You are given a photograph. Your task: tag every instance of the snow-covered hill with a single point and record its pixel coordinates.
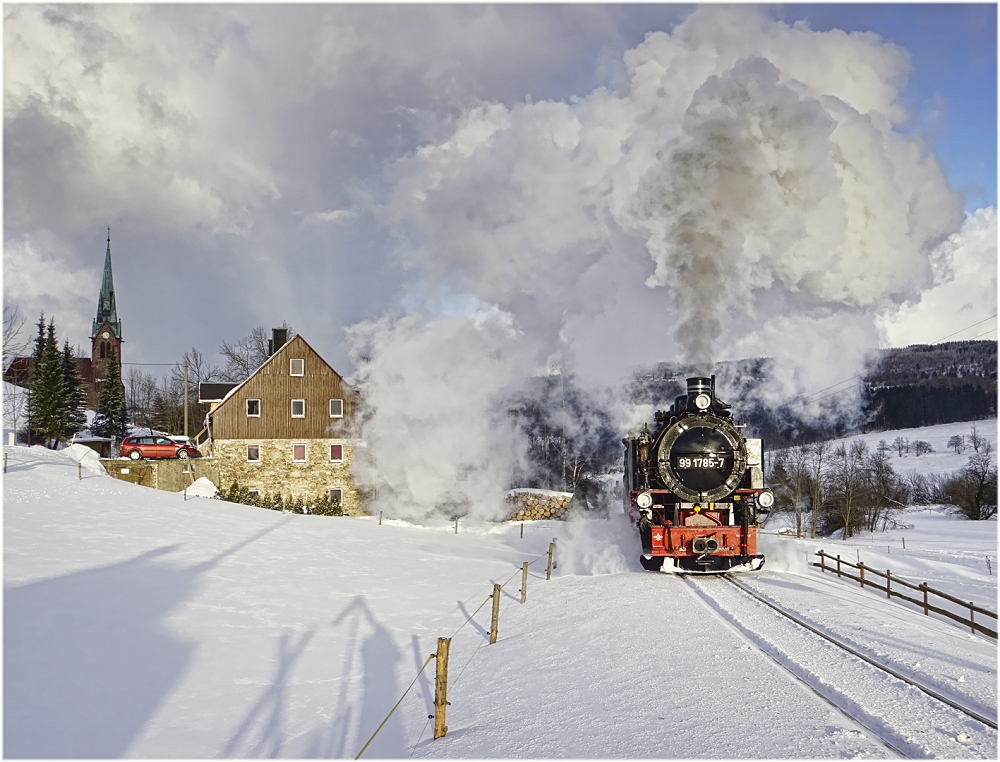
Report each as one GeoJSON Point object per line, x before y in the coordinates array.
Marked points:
{"type": "Point", "coordinates": [140, 624]}
{"type": "Point", "coordinates": [942, 460]}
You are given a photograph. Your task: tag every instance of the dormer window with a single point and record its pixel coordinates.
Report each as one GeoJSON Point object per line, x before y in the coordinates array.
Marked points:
{"type": "Point", "coordinates": [296, 367]}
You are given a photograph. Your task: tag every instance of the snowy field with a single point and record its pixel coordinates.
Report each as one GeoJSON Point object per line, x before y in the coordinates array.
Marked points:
{"type": "Point", "coordinates": [140, 624]}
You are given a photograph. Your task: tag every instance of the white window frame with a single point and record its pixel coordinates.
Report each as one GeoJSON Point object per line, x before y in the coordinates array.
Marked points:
{"type": "Point", "coordinates": [341, 458]}
{"type": "Point", "coordinates": [253, 460]}
{"type": "Point", "coordinates": [341, 413]}
{"type": "Point", "coordinates": [340, 497]}
{"type": "Point", "coordinates": [303, 408]}
{"type": "Point", "coordinates": [291, 366]}
{"type": "Point", "coordinates": [253, 415]}
{"type": "Point", "coordinates": [305, 451]}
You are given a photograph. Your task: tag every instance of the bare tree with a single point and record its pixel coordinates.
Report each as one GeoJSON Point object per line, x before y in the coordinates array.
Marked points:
{"type": "Point", "coordinates": [198, 370]}
{"type": "Point", "coordinates": [957, 443]}
{"type": "Point", "coordinates": [973, 489]}
{"type": "Point", "coordinates": [13, 344]}
{"type": "Point", "coordinates": [14, 397]}
{"type": "Point", "coordinates": [817, 454]}
{"type": "Point", "coordinates": [140, 391]}
{"type": "Point", "coordinates": [884, 494]}
{"type": "Point", "coordinates": [976, 440]}
{"type": "Point", "coordinates": [247, 354]}
{"type": "Point", "coordinates": [845, 484]}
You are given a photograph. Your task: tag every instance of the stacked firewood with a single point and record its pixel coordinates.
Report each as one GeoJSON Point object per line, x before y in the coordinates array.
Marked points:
{"type": "Point", "coordinates": [536, 505]}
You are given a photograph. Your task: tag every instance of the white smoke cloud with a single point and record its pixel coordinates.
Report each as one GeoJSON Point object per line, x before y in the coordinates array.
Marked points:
{"type": "Point", "coordinates": [598, 546]}
{"type": "Point", "coordinates": [744, 193]}
{"type": "Point", "coordinates": [964, 292]}
{"type": "Point", "coordinates": [438, 439]}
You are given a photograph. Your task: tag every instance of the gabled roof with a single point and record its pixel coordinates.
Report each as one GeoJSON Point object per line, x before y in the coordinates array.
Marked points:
{"type": "Point", "coordinates": [279, 352]}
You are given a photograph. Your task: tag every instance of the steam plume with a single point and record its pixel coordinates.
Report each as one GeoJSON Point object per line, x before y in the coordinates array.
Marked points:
{"type": "Point", "coordinates": [745, 194]}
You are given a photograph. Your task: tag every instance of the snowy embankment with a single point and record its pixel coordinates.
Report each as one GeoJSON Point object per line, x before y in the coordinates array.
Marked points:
{"type": "Point", "coordinates": [140, 624]}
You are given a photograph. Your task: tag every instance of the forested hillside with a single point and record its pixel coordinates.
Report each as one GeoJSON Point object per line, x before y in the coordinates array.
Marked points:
{"type": "Point", "coordinates": [923, 385]}
{"type": "Point", "coordinates": [919, 385]}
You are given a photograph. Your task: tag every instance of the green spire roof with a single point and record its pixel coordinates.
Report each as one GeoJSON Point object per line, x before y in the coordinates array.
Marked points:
{"type": "Point", "coordinates": [106, 310]}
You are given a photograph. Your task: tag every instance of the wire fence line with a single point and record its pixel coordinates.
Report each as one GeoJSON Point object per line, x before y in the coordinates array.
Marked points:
{"type": "Point", "coordinates": [550, 553]}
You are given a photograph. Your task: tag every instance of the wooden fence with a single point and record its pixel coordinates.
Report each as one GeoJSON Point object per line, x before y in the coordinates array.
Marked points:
{"type": "Point", "coordinates": [836, 564]}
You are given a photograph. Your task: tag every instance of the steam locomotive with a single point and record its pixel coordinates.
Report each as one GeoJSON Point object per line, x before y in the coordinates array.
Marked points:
{"type": "Point", "coordinates": [694, 487]}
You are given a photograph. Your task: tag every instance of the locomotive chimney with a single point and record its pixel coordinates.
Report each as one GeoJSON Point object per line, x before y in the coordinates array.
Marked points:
{"type": "Point", "coordinates": [700, 394]}
{"type": "Point", "coordinates": [699, 385]}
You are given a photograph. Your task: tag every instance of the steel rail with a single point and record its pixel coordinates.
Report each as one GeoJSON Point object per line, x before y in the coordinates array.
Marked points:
{"type": "Point", "coordinates": [874, 733]}
{"type": "Point", "coordinates": [854, 652]}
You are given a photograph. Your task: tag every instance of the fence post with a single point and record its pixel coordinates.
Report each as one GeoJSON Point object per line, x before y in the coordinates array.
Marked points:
{"type": "Point", "coordinates": [822, 561]}
{"type": "Point", "coordinates": [496, 614]}
{"type": "Point", "coordinates": [862, 567]}
{"type": "Point", "coordinates": [548, 572]}
{"type": "Point", "coordinates": [456, 525]}
{"type": "Point", "coordinates": [524, 582]}
{"type": "Point", "coordinates": [441, 687]}
{"type": "Point", "coordinates": [923, 586]}
{"type": "Point", "coordinates": [904, 543]}
{"type": "Point", "coordinates": [5, 462]}
{"type": "Point", "coordinates": [185, 494]}
{"type": "Point", "coordinates": [522, 530]}
{"type": "Point", "coordinates": [380, 517]}
{"type": "Point", "coordinates": [79, 470]}
{"type": "Point", "coordinates": [888, 583]}
{"type": "Point", "coordinates": [838, 565]}
{"type": "Point", "coordinates": [972, 617]}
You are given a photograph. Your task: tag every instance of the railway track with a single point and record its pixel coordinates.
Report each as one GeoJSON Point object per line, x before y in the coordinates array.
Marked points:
{"type": "Point", "coordinates": [910, 719]}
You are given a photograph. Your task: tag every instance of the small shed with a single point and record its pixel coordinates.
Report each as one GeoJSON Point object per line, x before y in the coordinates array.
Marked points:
{"type": "Point", "coordinates": [101, 445]}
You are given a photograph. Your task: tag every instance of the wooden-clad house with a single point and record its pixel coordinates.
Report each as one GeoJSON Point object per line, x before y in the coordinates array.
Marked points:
{"type": "Point", "coordinates": [289, 429]}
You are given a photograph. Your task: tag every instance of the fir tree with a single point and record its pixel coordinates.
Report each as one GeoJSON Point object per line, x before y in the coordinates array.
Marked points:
{"type": "Point", "coordinates": [47, 409]}
{"type": "Point", "coordinates": [112, 416]}
{"type": "Point", "coordinates": [75, 395]}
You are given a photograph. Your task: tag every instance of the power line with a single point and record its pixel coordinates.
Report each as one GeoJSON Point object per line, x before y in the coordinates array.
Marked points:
{"type": "Point", "coordinates": [855, 378]}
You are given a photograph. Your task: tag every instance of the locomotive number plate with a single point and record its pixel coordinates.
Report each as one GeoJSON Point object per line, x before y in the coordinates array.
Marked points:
{"type": "Point", "coordinates": [702, 461]}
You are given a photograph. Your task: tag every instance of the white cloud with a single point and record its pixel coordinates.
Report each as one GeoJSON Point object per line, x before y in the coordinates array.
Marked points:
{"type": "Point", "coordinates": [37, 276]}
{"type": "Point", "coordinates": [334, 215]}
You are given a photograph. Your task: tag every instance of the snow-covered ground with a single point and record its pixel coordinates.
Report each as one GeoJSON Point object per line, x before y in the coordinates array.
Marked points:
{"type": "Point", "coordinates": [137, 623]}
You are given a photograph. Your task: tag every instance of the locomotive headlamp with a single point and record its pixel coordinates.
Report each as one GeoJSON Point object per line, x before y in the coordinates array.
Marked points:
{"type": "Point", "coordinates": [765, 499]}
{"type": "Point", "coordinates": [702, 402]}
{"type": "Point", "coordinates": [644, 500]}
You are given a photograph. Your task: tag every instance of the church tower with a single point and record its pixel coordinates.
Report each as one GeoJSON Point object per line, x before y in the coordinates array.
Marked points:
{"type": "Point", "coordinates": [106, 336]}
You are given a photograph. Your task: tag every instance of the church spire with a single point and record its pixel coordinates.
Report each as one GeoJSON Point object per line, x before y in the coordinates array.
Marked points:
{"type": "Point", "coordinates": [106, 309]}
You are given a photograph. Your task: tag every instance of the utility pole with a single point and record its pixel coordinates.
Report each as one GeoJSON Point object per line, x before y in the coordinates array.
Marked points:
{"type": "Point", "coordinates": [185, 398]}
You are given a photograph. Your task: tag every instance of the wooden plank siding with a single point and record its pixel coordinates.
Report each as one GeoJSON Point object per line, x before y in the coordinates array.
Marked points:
{"type": "Point", "coordinates": [275, 387]}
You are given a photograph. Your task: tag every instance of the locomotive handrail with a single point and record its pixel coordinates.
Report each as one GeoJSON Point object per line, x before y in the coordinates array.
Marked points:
{"type": "Point", "coordinates": [923, 587]}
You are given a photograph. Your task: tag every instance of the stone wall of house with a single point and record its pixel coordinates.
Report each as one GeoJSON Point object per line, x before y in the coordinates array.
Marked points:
{"type": "Point", "coordinates": [537, 504]}
{"type": "Point", "coordinates": [276, 473]}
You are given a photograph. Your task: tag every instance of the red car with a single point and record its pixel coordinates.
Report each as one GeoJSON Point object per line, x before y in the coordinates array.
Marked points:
{"type": "Point", "coordinates": [136, 447]}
